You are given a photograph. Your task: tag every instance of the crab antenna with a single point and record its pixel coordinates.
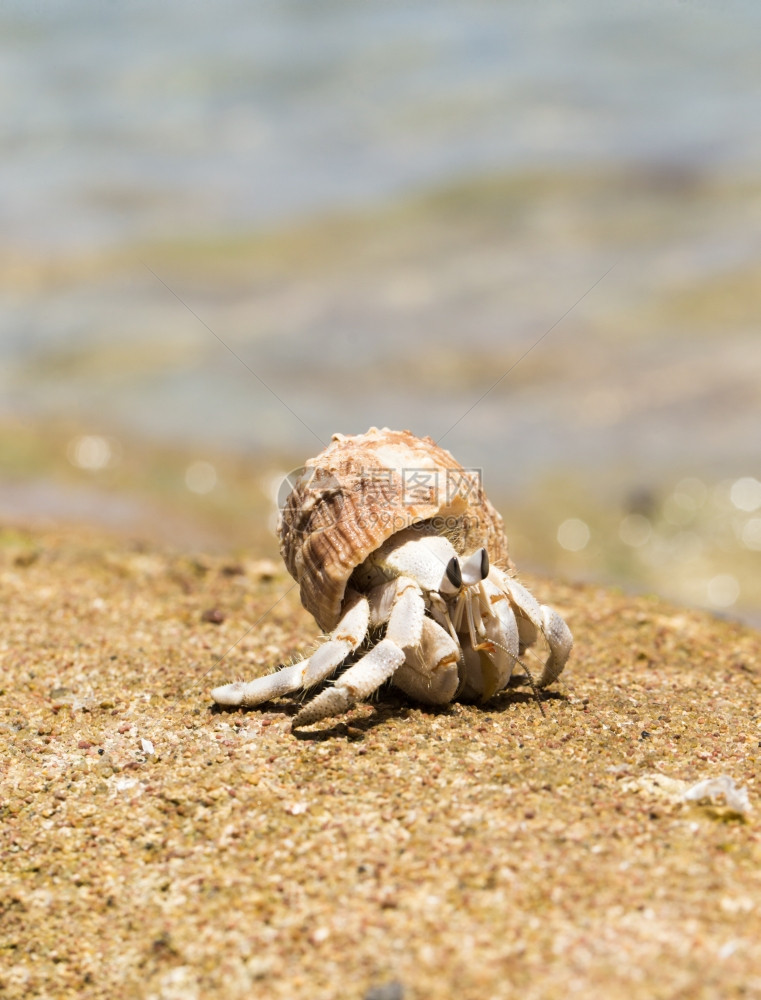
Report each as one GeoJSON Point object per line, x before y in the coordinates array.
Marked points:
{"type": "Point", "coordinates": [475, 568]}
{"type": "Point", "coordinates": [527, 672]}
{"type": "Point", "coordinates": [533, 688]}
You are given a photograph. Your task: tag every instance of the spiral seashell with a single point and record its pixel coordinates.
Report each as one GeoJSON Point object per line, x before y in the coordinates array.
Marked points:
{"type": "Point", "coordinates": [360, 491]}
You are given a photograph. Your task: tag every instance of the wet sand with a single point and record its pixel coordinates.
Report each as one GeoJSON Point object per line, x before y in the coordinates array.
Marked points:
{"type": "Point", "coordinates": [153, 846]}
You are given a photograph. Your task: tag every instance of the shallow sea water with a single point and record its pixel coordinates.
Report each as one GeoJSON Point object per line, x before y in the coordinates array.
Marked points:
{"type": "Point", "coordinates": [531, 231]}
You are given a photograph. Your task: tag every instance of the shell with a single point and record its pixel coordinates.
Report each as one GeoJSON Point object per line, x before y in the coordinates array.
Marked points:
{"type": "Point", "coordinates": [361, 490]}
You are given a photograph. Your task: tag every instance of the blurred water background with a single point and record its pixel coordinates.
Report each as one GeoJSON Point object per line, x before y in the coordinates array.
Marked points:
{"type": "Point", "coordinates": [230, 229]}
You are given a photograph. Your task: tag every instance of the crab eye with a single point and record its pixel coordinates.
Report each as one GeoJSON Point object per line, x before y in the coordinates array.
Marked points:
{"type": "Point", "coordinates": [453, 576]}
{"type": "Point", "coordinates": [484, 564]}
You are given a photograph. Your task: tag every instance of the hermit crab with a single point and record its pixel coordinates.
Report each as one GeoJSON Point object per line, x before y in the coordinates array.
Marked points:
{"type": "Point", "coordinates": [403, 561]}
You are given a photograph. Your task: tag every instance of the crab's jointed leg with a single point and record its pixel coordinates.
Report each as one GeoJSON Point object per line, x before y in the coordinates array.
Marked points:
{"type": "Point", "coordinates": [531, 615]}
{"type": "Point", "coordinates": [344, 639]}
{"type": "Point", "coordinates": [405, 626]}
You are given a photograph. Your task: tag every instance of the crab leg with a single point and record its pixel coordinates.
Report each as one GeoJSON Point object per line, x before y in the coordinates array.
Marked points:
{"type": "Point", "coordinates": [405, 625]}
{"type": "Point", "coordinates": [549, 623]}
{"type": "Point", "coordinates": [344, 639]}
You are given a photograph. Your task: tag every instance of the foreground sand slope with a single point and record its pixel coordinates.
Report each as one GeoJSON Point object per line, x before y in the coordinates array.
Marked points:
{"type": "Point", "coordinates": [155, 847]}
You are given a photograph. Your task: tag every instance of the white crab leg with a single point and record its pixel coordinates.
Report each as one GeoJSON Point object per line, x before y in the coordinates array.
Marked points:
{"type": "Point", "coordinates": [560, 640]}
{"type": "Point", "coordinates": [344, 639]}
{"type": "Point", "coordinates": [548, 621]}
{"type": "Point", "coordinates": [405, 625]}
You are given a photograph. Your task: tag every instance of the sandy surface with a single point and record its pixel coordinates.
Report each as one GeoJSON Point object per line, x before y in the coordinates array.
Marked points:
{"type": "Point", "coordinates": [155, 847]}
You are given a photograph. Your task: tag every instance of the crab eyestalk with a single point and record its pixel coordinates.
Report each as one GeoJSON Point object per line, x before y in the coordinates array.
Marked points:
{"type": "Point", "coordinates": [475, 568]}
{"type": "Point", "coordinates": [466, 574]}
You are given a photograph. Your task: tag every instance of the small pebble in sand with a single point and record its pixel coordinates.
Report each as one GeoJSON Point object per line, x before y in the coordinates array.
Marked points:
{"type": "Point", "coordinates": [213, 616]}
{"type": "Point", "coordinates": [388, 991]}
